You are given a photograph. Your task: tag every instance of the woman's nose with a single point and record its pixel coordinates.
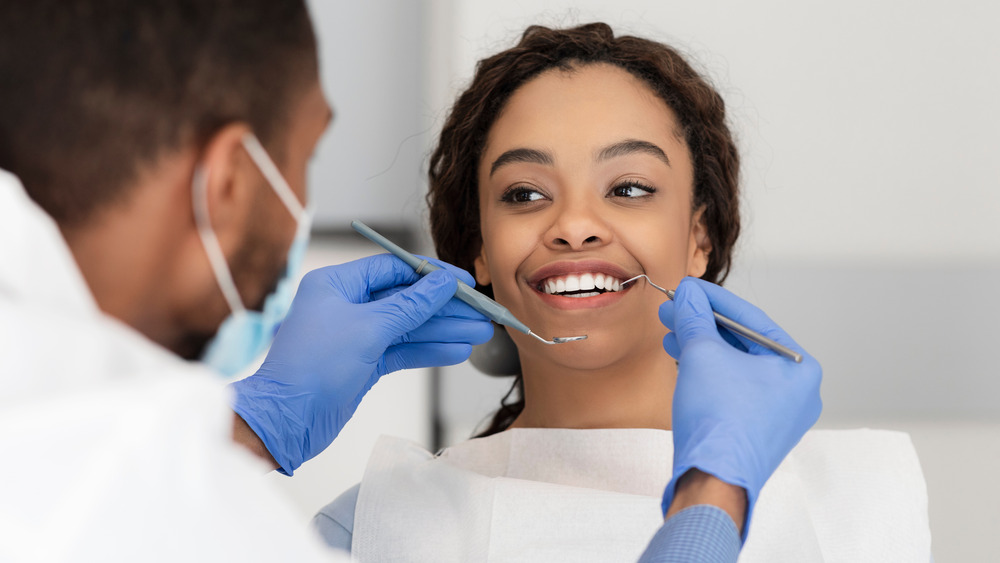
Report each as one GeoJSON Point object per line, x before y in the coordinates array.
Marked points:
{"type": "Point", "coordinates": [577, 226]}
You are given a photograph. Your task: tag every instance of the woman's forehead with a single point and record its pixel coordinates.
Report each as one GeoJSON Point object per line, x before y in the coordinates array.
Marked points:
{"type": "Point", "coordinates": [582, 109]}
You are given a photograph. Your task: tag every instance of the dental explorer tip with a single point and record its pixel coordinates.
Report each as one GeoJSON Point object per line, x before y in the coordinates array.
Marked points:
{"type": "Point", "coordinates": [559, 339]}
{"type": "Point", "coordinates": [630, 280]}
{"type": "Point", "coordinates": [669, 292]}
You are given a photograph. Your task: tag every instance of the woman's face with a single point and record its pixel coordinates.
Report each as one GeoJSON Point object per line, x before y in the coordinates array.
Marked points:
{"type": "Point", "coordinates": [584, 182]}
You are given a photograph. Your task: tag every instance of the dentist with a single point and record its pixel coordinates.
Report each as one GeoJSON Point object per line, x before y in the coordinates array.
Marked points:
{"type": "Point", "coordinates": [153, 207]}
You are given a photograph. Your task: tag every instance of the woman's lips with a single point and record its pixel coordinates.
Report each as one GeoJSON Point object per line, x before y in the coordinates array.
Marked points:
{"type": "Point", "coordinates": [579, 285]}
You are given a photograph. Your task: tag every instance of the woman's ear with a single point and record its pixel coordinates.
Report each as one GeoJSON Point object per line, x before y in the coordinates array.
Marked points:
{"type": "Point", "coordinates": [482, 268]}
{"type": "Point", "coordinates": [699, 245]}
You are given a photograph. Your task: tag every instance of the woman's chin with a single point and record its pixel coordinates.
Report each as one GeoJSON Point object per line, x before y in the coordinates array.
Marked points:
{"type": "Point", "coordinates": [600, 350]}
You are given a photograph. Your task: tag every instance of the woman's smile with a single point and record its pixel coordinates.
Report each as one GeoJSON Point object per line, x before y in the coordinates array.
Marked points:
{"type": "Point", "coordinates": [586, 284]}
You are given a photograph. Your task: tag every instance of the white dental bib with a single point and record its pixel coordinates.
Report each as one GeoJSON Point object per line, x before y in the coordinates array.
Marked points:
{"type": "Point", "coordinates": [594, 495]}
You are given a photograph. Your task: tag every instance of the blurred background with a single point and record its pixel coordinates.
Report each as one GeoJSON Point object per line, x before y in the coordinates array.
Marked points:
{"type": "Point", "coordinates": [871, 205]}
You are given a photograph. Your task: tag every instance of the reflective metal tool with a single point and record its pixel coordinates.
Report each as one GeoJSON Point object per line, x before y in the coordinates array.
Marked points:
{"type": "Point", "coordinates": [495, 311]}
{"type": "Point", "coordinates": [733, 326]}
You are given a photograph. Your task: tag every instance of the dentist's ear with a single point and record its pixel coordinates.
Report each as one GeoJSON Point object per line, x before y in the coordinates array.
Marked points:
{"type": "Point", "coordinates": [230, 188]}
{"type": "Point", "coordinates": [699, 245]}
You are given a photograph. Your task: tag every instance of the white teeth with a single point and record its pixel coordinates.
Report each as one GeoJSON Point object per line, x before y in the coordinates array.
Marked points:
{"type": "Point", "coordinates": [572, 283]}
{"type": "Point", "coordinates": [587, 294]}
{"type": "Point", "coordinates": [587, 282]}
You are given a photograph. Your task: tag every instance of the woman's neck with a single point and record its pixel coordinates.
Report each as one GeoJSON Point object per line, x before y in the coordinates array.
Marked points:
{"type": "Point", "coordinates": [633, 393]}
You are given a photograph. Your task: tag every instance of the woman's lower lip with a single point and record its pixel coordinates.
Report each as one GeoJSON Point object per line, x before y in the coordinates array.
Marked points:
{"type": "Point", "coordinates": [563, 302]}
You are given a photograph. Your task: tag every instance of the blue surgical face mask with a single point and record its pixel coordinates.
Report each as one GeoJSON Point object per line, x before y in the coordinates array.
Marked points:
{"type": "Point", "coordinates": [246, 334]}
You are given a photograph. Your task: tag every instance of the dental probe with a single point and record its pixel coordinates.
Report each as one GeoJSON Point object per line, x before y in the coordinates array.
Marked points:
{"type": "Point", "coordinates": [495, 311]}
{"type": "Point", "coordinates": [734, 326]}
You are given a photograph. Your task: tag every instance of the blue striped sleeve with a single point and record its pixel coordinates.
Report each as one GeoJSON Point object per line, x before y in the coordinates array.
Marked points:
{"type": "Point", "coordinates": [701, 534]}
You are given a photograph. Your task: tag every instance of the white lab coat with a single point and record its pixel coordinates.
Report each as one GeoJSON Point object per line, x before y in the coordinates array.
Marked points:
{"type": "Point", "coordinates": [112, 448]}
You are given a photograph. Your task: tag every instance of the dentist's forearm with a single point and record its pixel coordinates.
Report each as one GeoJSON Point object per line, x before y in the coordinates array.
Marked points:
{"type": "Point", "coordinates": [696, 487]}
{"type": "Point", "coordinates": [246, 437]}
{"type": "Point", "coordinates": [702, 533]}
{"type": "Point", "coordinates": [701, 524]}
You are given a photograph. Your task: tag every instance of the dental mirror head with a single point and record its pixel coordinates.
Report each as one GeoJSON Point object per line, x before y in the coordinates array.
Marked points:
{"type": "Point", "coordinates": [559, 339]}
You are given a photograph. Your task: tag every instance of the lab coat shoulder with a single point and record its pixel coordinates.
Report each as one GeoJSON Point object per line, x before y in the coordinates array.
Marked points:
{"type": "Point", "coordinates": [116, 451]}
{"type": "Point", "coordinates": [37, 264]}
{"type": "Point", "coordinates": [138, 470]}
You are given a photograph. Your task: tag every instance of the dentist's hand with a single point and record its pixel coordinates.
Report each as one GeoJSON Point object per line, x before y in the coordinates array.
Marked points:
{"type": "Point", "coordinates": [738, 407]}
{"type": "Point", "coordinates": [348, 326]}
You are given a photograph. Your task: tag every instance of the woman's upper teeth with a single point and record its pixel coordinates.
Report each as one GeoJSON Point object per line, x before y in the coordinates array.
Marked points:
{"type": "Point", "coordinates": [581, 282]}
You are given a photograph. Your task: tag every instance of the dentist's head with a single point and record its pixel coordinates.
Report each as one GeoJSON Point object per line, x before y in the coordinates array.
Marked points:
{"type": "Point", "coordinates": [113, 113]}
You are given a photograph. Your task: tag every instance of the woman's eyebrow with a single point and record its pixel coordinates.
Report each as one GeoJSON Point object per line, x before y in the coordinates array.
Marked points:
{"type": "Point", "coordinates": [521, 155]}
{"type": "Point", "coordinates": [631, 146]}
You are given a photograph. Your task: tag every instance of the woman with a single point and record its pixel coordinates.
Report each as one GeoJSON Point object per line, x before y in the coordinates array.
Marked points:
{"type": "Point", "coordinates": [575, 161]}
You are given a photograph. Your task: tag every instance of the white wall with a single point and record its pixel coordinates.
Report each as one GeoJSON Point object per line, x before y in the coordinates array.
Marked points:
{"type": "Point", "coordinates": [371, 62]}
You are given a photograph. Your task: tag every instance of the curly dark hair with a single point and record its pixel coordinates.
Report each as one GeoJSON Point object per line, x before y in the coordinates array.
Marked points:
{"type": "Point", "coordinates": [453, 197]}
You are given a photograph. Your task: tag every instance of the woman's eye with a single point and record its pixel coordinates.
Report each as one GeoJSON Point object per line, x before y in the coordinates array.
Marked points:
{"type": "Point", "coordinates": [521, 195]}
{"type": "Point", "coordinates": [632, 189]}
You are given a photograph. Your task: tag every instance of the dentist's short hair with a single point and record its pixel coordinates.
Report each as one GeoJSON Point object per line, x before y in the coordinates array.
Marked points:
{"type": "Point", "coordinates": [94, 91]}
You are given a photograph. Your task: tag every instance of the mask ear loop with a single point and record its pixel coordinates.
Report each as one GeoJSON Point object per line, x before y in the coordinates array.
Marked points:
{"type": "Point", "coordinates": [199, 195]}
{"type": "Point", "coordinates": [267, 167]}
{"type": "Point", "coordinates": [302, 215]}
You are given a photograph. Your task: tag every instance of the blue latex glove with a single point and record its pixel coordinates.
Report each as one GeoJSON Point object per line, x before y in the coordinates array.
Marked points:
{"type": "Point", "coordinates": [738, 407]}
{"type": "Point", "coordinates": [348, 326]}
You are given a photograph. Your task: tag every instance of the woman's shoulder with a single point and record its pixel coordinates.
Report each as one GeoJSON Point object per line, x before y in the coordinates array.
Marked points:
{"type": "Point", "coordinates": [335, 521]}
{"type": "Point", "coordinates": [839, 448]}
{"type": "Point", "coordinates": [864, 484]}
{"type": "Point", "coordinates": [851, 458]}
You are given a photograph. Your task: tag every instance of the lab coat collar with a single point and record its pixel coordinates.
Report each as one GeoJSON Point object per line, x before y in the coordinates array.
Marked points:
{"type": "Point", "coordinates": [37, 265]}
